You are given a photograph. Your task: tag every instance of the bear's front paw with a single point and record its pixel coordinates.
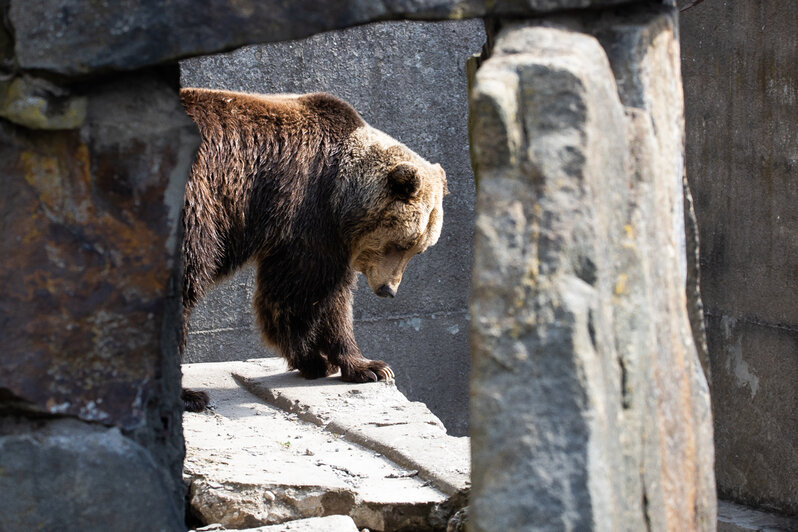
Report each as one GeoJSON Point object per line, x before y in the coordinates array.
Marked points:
{"type": "Point", "coordinates": [368, 371]}
{"type": "Point", "coordinates": [316, 368]}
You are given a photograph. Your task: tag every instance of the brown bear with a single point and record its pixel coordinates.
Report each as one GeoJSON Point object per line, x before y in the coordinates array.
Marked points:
{"type": "Point", "coordinates": [301, 186]}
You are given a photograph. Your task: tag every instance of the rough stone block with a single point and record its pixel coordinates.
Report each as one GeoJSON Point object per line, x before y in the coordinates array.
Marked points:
{"type": "Point", "coordinates": [90, 317]}
{"type": "Point", "coordinates": [68, 475]}
{"type": "Point", "coordinates": [583, 358]}
{"type": "Point", "coordinates": [74, 37]}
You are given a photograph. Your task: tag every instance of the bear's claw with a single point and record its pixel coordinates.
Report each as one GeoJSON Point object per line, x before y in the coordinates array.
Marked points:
{"type": "Point", "coordinates": [386, 374]}
{"type": "Point", "coordinates": [371, 371]}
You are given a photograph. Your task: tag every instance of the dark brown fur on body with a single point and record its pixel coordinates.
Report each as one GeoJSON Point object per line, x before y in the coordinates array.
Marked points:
{"type": "Point", "coordinates": [267, 187]}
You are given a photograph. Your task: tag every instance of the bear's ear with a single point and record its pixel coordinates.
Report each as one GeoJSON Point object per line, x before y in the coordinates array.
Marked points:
{"type": "Point", "coordinates": [404, 181]}
{"type": "Point", "coordinates": [443, 176]}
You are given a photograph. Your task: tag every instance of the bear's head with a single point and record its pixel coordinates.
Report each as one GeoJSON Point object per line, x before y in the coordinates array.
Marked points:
{"type": "Point", "coordinates": [393, 200]}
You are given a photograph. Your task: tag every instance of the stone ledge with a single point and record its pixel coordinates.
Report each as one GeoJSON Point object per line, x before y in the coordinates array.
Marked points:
{"type": "Point", "coordinates": [318, 448]}
{"type": "Point", "coordinates": [376, 416]}
{"type": "Point", "coordinates": [331, 523]}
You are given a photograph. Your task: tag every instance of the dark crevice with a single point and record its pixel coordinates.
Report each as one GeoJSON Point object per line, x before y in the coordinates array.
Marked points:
{"type": "Point", "coordinates": [7, 59]}
{"type": "Point", "coordinates": [645, 508]}
{"type": "Point", "coordinates": [591, 329]}
{"type": "Point", "coordinates": [8, 396]}
{"type": "Point", "coordinates": [193, 518]}
{"type": "Point", "coordinates": [626, 395]}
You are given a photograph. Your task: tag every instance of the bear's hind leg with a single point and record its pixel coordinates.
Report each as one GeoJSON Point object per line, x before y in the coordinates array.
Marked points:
{"type": "Point", "coordinates": [194, 400]}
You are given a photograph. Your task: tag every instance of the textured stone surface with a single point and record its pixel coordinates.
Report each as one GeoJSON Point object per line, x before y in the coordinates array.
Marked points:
{"type": "Point", "coordinates": [740, 64]}
{"type": "Point", "coordinates": [76, 37]}
{"type": "Point", "coordinates": [378, 417]}
{"type": "Point", "coordinates": [589, 405]}
{"type": "Point", "coordinates": [68, 475]}
{"type": "Point", "coordinates": [411, 84]}
{"type": "Point", "coordinates": [89, 217]}
{"type": "Point", "coordinates": [321, 448]}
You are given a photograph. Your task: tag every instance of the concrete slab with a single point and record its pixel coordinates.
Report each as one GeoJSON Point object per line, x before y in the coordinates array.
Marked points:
{"type": "Point", "coordinates": [376, 415]}
{"type": "Point", "coordinates": [250, 463]}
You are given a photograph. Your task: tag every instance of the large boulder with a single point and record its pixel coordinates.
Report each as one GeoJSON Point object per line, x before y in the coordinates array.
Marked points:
{"type": "Point", "coordinates": [590, 409]}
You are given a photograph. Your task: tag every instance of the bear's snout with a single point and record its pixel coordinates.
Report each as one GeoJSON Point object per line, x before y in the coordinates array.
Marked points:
{"type": "Point", "coordinates": [385, 291]}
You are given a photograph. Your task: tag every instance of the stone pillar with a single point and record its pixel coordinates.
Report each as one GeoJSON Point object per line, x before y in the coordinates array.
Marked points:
{"type": "Point", "coordinates": [90, 418]}
{"type": "Point", "coordinates": [590, 409]}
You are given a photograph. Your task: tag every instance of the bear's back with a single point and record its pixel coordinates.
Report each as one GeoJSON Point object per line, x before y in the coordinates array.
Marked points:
{"type": "Point", "coordinates": [214, 110]}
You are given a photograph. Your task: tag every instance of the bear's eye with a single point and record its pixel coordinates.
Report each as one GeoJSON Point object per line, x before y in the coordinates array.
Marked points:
{"type": "Point", "coordinates": [396, 248]}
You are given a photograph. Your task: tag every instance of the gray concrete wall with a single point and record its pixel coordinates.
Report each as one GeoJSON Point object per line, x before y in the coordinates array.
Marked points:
{"type": "Point", "coordinates": [408, 79]}
{"type": "Point", "coordinates": [740, 63]}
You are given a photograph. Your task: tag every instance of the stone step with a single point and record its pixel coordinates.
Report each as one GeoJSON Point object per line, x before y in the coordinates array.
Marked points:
{"type": "Point", "coordinates": [275, 447]}
{"type": "Point", "coordinates": [331, 523]}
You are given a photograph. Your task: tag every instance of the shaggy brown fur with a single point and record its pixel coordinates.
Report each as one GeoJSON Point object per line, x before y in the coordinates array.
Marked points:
{"type": "Point", "coordinates": [303, 187]}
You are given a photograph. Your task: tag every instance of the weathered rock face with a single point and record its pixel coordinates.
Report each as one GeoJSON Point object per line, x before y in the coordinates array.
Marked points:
{"type": "Point", "coordinates": [68, 475]}
{"type": "Point", "coordinates": [589, 406]}
{"type": "Point", "coordinates": [741, 82]}
{"type": "Point", "coordinates": [75, 37]}
{"type": "Point", "coordinates": [90, 316]}
{"type": "Point", "coordinates": [418, 94]}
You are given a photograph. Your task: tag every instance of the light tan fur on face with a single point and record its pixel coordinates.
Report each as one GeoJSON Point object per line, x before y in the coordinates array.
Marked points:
{"type": "Point", "coordinates": [400, 228]}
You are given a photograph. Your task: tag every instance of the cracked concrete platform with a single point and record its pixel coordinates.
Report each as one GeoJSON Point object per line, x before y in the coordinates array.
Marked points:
{"type": "Point", "coordinates": [275, 448]}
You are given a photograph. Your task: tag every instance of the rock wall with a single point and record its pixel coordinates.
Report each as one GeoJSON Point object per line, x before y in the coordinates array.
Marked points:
{"type": "Point", "coordinates": [92, 179]}
{"type": "Point", "coordinates": [741, 84]}
{"type": "Point", "coordinates": [590, 409]}
{"type": "Point", "coordinates": [410, 82]}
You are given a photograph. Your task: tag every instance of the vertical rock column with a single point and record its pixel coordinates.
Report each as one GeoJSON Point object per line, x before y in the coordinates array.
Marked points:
{"type": "Point", "coordinates": [589, 406]}
{"type": "Point", "coordinates": [90, 418]}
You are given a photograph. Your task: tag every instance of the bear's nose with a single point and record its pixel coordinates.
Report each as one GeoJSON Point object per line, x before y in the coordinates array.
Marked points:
{"type": "Point", "coordinates": [386, 291]}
